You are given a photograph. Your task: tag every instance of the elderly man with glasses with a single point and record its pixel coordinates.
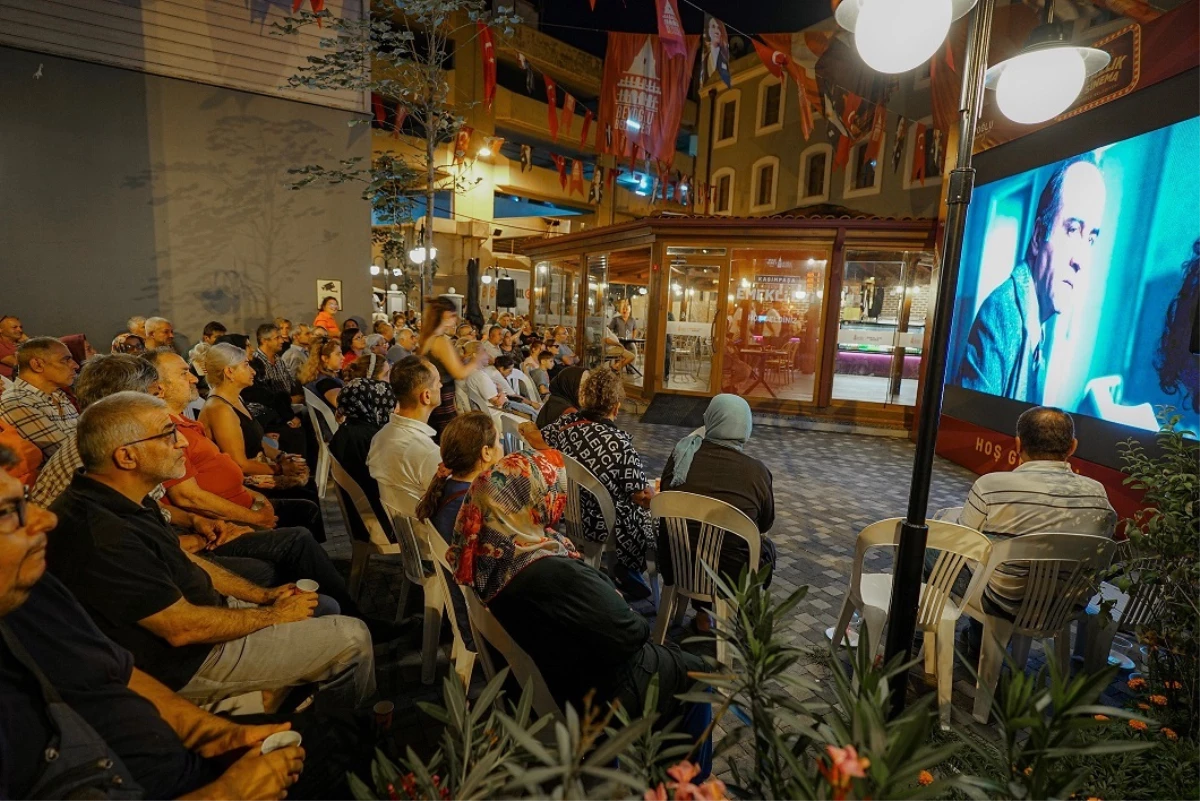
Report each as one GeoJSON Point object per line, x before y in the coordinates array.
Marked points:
{"type": "Point", "coordinates": [199, 629]}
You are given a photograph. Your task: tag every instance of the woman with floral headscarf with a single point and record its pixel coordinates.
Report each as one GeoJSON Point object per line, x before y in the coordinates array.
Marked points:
{"type": "Point", "coordinates": [364, 404]}
{"type": "Point", "coordinates": [564, 613]}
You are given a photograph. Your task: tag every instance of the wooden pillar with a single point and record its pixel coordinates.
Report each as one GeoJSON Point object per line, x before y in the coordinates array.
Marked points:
{"type": "Point", "coordinates": [656, 318]}
{"type": "Point", "coordinates": [832, 311]}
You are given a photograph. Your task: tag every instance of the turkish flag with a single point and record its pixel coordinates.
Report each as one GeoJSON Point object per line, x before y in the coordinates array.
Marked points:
{"type": "Point", "coordinates": [918, 165]}
{"type": "Point", "coordinates": [670, 29]}
{"type": "Point", "coordinates": [561, 164]}
{"type": "Point", "coordinates": [774, 52]}
{"type": "Point", "coordinates": [649, 116]}
{"type": "Point", "coordinates": [462, 143]}
{"type": "Point", "coordinates": [487, 49]}
{"type": "Point", "coordinates": [568, 113]}
{"type": "Point", "coordinates": [849, 117]}
{"type": "Point", "coordinates": [552, 110]}
{"type": "Point", "coordinates": [587, 124]}
{"type": "Point", "coordinates": [804, 85]}
{"type": "Point", "coordinates": [878, 130]}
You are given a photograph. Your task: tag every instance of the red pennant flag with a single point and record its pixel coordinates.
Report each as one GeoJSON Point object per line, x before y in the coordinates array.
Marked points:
{"type": "Point", "coordinates": [613, 174]}
{"type": "Point", "coordinates": [670, 29]}
{"type": "Point", "coordinates": [568, 113]}
{"type": "Point", "coordinates": [918, 165]}
{"type": "Point", "coordinates": [593, 2]}
{"type": "Point", "coordinates": [487, 49]}
{"type": "Point", "coordinates": [296, 5]}
{"type": "Point", "coordinates": [401, 116]}
{"type": "Point", "coordinates": [577, 176]}
{"type": "Point", "coordinates": [772, 57]}
{"type": "Point", "coordinates": [849, 120]}
{"type": "Point", "coordinates": [878, 130]}
{"type": "Point", "coordinates": [561, 164]}
{"type": "Point", "coordinates": [380, 111]}
{"type": "Point", "coordinates": [552, 109]}
{"type": "Point", "coordinates": [800, 78]}
{"type": "Point", "coordinates": [587, 123]}
{"type": "Point", "coordinates": [462, 143]}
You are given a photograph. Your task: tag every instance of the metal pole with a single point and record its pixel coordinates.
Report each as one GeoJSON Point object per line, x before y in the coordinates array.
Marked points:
{"type": "Point", "coordinates": [910, 556]}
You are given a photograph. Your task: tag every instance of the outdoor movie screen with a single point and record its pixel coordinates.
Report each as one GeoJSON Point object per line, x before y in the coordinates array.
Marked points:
{"type": "Point", "coordinates": [1080, 282]}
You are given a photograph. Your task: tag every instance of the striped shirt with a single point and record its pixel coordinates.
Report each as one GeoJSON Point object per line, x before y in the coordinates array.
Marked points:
{"type": "Point", "coordinates": [47, 419]}
{"type": "Point", "coordinates": [1038, 497]}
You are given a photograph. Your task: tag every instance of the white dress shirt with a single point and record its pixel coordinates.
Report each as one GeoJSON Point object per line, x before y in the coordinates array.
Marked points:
{"type": "Point", "coordinates": [404, 456]}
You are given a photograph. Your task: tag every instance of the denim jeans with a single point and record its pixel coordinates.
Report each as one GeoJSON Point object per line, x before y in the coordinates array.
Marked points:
{"type": "Point", "coordinates": [333, 651]}
{"type": "Point", "coordinates": [294, 555]}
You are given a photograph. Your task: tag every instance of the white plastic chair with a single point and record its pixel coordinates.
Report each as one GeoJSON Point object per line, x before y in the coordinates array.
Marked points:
{"type": "Point", "coordinates": [580, 480]}
{"type": "Point", "coordinates": [510, 434]}
{"type": "Point", "coordinates": [1062, 571]}
{"type": "Point", "coordinates": [415, 555]}
{"type": "Point", "coordinates": [950, 514]}
{"type": "Point", "coordinates": [523, 385]}
{"type": "Point", "coordinates": [319, 410]}
{"type": "Point", "coordinates": [937, 614]}
{"type": "Point", "coordinates": [1131, 611]}
{"type": "Point", "coordinates": [377, 530]}
{"type": "Point", "coordinates": [692, 581]}
{"type": "Point", "coordinates": [488, 629]}
{"type": "Point", "coordinates": [462, 657]}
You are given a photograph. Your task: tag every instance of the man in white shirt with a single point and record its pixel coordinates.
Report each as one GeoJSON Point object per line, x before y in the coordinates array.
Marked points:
{"type": "Point", "coordinates": [403, 457]}
{"type": "Point", "coordinates": [295, 356]}
{"type": "Point", "coordinates": [495, 336]}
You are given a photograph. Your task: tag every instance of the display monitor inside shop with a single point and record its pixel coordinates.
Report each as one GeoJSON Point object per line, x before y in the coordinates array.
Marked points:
{"type": "Point", "coordinates": [1080, 281]}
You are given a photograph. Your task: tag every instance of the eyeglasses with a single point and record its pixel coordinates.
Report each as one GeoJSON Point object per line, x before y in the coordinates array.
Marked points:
{"type": "Point", "coordinates": [12, 514]}
{"type": "Point", "coordinates": [170, 432]}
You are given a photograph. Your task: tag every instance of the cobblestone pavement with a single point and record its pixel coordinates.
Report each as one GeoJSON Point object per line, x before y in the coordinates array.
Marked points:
{"type": "Point", "coordinates": [828, 486]}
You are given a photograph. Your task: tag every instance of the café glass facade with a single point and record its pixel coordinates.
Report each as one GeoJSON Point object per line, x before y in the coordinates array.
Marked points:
{"type": "Point", "coordinates": [821, 317]}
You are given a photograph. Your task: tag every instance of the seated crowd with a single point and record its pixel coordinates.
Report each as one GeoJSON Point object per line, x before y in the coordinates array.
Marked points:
{"type": "Point", "coordinates": [150, 602]}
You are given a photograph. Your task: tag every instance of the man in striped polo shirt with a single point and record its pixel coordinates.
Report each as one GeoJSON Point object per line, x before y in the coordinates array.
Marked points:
{"type": "Point", "coordinates": [1041, 495]}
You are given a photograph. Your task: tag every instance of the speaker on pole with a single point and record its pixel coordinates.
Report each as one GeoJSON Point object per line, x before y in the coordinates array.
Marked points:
{"type": "Point", "coordinates": [506, 293]}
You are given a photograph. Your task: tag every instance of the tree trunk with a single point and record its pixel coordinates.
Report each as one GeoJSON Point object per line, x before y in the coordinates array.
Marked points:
{"type": "Point", "coordinates": [430, 177]}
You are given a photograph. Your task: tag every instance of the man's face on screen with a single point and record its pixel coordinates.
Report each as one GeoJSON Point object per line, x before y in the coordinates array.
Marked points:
{"type": "Point", "coordinates": [1065, 251]}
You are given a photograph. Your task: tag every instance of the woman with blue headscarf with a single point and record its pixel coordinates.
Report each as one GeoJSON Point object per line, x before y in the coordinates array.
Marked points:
{"type": "Point", "coordinates": [712, 462]}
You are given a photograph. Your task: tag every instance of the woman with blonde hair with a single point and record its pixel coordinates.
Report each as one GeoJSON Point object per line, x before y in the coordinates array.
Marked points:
{"type": "Point", "coordinates": [439, 320]}
{"type": "Point", "coordinates": [229, 424]}
{"type": "Point", "coordinates": [320, 373]}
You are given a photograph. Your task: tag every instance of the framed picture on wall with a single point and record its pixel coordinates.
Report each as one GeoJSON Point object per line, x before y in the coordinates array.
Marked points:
{"type": "Point", "coordinates": [329, 287]}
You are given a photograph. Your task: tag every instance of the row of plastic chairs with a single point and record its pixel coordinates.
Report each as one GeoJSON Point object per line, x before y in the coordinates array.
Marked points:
{"type": "Point", "coordinates": [1061, 574]}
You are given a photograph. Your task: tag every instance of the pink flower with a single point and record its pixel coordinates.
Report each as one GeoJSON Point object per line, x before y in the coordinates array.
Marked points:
{"type": "Point", "coordinates": [848, 762]}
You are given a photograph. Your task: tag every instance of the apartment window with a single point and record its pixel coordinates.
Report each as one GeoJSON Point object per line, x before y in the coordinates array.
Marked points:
{"type": "Point", "coordinates": [864, 176]}
{"type": "Point", "coordinates": [816, 163]}
{"type": "Point", "coordinates": [723, 200]}
{"type": "Point", "coordinates": [764, 173]}
{"type": "Point", "coordinates": [770, 106]}
{"type": "Point", "coordinates": [727, 118]}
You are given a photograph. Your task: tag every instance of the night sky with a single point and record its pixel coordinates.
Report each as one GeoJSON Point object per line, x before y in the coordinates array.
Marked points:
{"type": "Point", "coordinates": [751, 16]}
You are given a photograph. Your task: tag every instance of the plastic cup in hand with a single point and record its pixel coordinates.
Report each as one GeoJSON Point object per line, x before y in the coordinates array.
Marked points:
{"type": "Point", "coordinates": [307, 585]}
{"type": "Point", "coordinates": [281, 739]}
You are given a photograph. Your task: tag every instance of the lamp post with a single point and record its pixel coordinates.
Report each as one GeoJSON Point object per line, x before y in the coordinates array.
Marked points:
{"type": "Point", "coordinates": [910, 556]}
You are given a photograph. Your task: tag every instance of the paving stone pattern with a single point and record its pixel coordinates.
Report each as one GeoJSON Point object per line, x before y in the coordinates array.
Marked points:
{"type": "Point", "coordinates": [828, 486]}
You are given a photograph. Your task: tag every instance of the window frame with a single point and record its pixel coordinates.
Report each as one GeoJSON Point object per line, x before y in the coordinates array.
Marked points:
{"type": "Point", "coordinates": [716, 183]}
{"type": "Point", "coordinates": [910, 149]}
{"type": "Point", "coordinates": [734, 97]}
{"type": "Point", "coordinates": [848, 189]}
{"type": "Point", "coordinates": [755, 173]}
{"type": "Point", "coordinates": [805, 156]}
{"type": "Point", "coordinates": [767, 82]}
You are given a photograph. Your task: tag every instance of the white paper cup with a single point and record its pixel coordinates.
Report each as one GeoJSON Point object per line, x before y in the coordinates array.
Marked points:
{"type": "Point", "coordinates": [307, 585]}
{"type": "Point", "coordinates": [281, 739]}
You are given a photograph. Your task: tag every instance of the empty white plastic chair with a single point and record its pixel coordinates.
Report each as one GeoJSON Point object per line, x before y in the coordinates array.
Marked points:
{"type": "Point", "coordinates": [580, 480]}
{"type": "Point", "coordinates": [318, 410]}
{"type": "Point", "coordinates": [716, 519]}
{"type": "Point", "coordinates": [1062, 576]}
{"type": "Point", "coordinates": [937, 614]}
{"type": "Point", "coordinates": [1137, 608]}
